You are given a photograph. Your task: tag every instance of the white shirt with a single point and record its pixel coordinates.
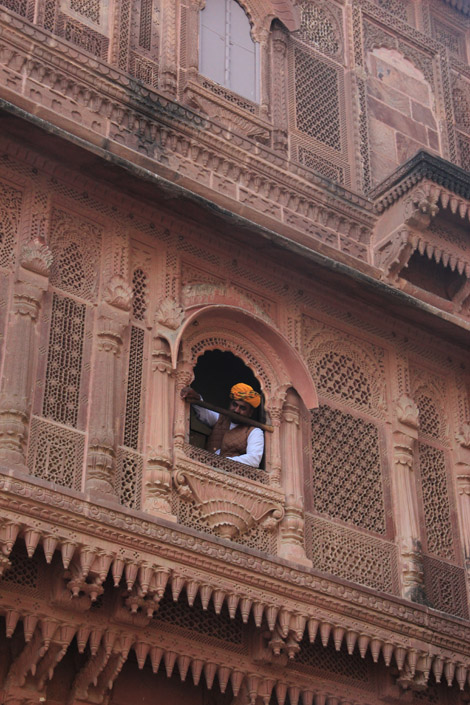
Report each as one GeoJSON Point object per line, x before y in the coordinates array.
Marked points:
{"type": "Point", "coordinates": [254, 444]}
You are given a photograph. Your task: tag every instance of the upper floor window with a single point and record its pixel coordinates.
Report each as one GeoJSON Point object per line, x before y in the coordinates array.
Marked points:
{"type": "Point", "coordinates": [227, 53]}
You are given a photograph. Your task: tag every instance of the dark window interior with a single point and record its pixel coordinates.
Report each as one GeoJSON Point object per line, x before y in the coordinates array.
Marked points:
{"type": "Point", "coordinates": [431, 276]}
{"type": "Point", "coordinates": [215, 373]}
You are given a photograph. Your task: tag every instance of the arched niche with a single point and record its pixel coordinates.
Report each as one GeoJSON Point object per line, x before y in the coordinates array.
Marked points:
{"type": "Point", "coordinates": [276, 364]}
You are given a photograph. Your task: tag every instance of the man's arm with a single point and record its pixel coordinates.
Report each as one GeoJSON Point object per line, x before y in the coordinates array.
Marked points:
{"type": "Point", "coordinates": [254, 449]}
{"type": "Point", "coordinates": [205, 415]}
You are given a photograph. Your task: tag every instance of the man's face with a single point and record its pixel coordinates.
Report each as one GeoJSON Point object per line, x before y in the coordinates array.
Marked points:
{"type": "Point", "coordinates": [241, 407]}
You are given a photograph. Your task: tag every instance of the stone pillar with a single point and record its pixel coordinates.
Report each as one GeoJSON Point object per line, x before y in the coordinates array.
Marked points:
{"type": "Point", "coordinates": [184, 377]}
{"type": "Point", "coordinates": [292, 526]}
{"type": "Point", "coordinates": [113, 317]}
{"type": "Point", "coordinates": [275, 459]}
{"type": "Point", "coordinates": [157, 477]}
{"type": "Point", "coordinates": [462, 467]}
{"type": "Point", "coordinates": [192, 33]}
{"type": "Point", "coordinates": [16, 392]}
{"type": "Point", "coordinates": [405, 437]}
{"type": "Point", "coordinates": [279, 90]}
{"type": "Point", "coordinates": [168, 52]}
{"type": "Point", "coordinates": [262, 37]}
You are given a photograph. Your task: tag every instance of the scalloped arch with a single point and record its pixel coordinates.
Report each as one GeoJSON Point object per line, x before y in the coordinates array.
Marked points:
{"type": "Point", "coordinates": [275, 362]}
{"type": "Point", "coordinates": [261, 13]}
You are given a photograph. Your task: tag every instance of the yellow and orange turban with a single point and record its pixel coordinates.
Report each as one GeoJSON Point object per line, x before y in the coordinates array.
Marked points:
{"type": "Point", "coordinates": [243, 392]}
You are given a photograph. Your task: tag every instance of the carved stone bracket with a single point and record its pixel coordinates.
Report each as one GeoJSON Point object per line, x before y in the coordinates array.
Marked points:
{"type": "Point", "coordinates": [231, 507]}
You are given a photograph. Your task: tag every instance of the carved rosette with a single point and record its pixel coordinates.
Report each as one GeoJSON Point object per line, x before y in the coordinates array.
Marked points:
{"type": "Point", "coordinates": [230, 507]}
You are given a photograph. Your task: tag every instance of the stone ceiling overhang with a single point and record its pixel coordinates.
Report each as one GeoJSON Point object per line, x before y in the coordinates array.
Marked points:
{"type": "Point", "coordinates": [460, 5]}
{"type": "Point", "coordinates": [447, 177]}
{"type": "Point", "coordinates": [342, 273]}
{"type": "Point", "coordinates": [409, 203]}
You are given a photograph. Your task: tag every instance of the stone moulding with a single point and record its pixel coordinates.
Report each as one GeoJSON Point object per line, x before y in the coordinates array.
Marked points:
{"type": "Point", "coordinates": [231, 506]}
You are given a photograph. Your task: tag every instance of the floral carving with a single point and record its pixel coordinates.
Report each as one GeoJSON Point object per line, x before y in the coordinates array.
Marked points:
{"type": "Point", "coordinates": [118, 293]}
{"type": "Point", "coordinates": [169, 314]}
{"type": "Point", "coordinates": [463, 436]}
{"type": "Point", "coordinates": [407, 412]}
{"type": "Point", "coordinates": [37, 257]}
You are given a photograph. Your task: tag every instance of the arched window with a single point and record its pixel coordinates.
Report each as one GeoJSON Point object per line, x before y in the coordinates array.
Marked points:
{"type": "Point", "coordinates": [227, 53]}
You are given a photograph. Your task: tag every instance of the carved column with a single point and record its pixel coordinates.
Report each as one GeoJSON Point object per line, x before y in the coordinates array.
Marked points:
{"type": "Point", "coordinates": [113, 317]}
{"type": "Point", "coordinates": [191, 60]}
{"type": "Point", "coordinates": [404, 441]}
{"type": "Point", "coordinates": [184, 377]}
{"type": "Point", "coordinates": [463, 487]}
{"type": "Point", "coordinates": [157, 478]}
{"type": "Point", "coordinates": [292, 526]}
{"type": "Point", "coordinates": [262, 37]}
{"type": "Point", "coordinates": [15, 397]}
{"type": "Point", "coordinates": [275, 460]}
{"type": "Point", "coordinates": [168, 54]}
{"type": "Point", "coordinates": [279, 90]}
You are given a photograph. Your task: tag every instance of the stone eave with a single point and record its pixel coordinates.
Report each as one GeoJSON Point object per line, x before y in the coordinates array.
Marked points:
{"type": "Point", "coordinates": [323, 264]}
{"type": "Point", "coordinates": [462, 6]}
{"type": "Point", "coordinates": [291, 590]}
{"type": "Point", "coordinates": [421, 166]}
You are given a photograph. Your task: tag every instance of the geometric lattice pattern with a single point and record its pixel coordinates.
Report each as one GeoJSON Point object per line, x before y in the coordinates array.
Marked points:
{"type": "Point", "coordinates": [395, 7]}
{"type": "Point", "coordinates": [206, 622]}
{"type": "Point", "coordinates": [327, 660]}
{"type": "Point", "coordinates": [447, 35]}
{"type": "Point", "coordinates": [429, 420]}
{"type": "Point", "coordinates": [143, 69]}
{"type": "Point", "coordinates": [436, 505]}
{"type": "Point", "coordinates": [346, 470]}
{"type": "Point", "coordinates": [56, 453]}
{"type": "Point", "coordinates": [18, 6]}
{"type": "Point", "coordinates": [134, 389]}
{"type": "Point", "coordinates": [23, 571]}
{"type": "Point", "coordinates": [231, 466]}
{"type": "Point", "coordinates": [317, 99]}
{"type": "Point", "coordinates": [445, 587]}
{"type": "Point", "coordinates": [464, 151]}
{"type": "Point", "coordinates": [312, 160]}
{"type": "Point", "coordinates": [339, 377]}
{"type": "Point", "coordinates": [10, 205]}
{"type": "Point", "coordinates": [189, 515]}
{"type": "Point", "coordinates": [145, 28]}
{"type": "Point", "coordinates": [88, 8]}
{"type": "Point", "coordinates": [75, 245]}
{"type": "Point", "coordinates": [139, 294]}
{"type": "Point", "coordinates": [82, 36]}
{"type": "Point", "coordinates": [461, 99]}
{"type": "Point", "coordinates": [318, 29]}
{"type": "Point", "coordinates": [64, 361]}
{"type": "Point", "coordinates": [128, 483]}
{"type": "Point", "coordinates": [351, 555]}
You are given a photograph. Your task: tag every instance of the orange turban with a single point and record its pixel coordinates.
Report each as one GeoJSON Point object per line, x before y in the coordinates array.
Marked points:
{"type": "Point", "coordinates": [243, 392]}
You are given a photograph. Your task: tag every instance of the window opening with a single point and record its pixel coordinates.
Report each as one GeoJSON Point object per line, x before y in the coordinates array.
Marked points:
{"type": "Point", "coordinates": [215, 373]}
{"type": "Point", "coordinates": [227, 53]}
{"type": "Point", "coordinates": [432, 276]}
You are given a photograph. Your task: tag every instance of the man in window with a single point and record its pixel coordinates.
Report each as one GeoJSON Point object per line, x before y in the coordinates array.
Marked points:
{"type": "Point", "coordinates": [235, 441]}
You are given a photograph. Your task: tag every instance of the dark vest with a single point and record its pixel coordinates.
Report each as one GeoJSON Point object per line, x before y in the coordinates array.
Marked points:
{"type": "Point", "coordinates": [232, 442]}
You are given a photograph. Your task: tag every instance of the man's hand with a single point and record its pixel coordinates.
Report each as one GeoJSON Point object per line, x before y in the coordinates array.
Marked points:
{"type": "Point", "coordinates": [190, 394]}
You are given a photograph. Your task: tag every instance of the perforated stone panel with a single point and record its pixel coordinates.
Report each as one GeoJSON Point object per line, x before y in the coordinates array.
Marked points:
{"type": "Point", "coordinates": [76, 246]}
{"type": "Point", "coordinates": [204, 622]}
{"type": "Point", "coordinates": [10, 207]}
{"type": "Point", "coordinates": [429, 419]}
{"type": "Point", "coordinates": [23, 572]}
{"type": "Point", "coordinates": [340, 377]}
{"type": "Point", "coordinates": [317, 99]}
{"type": "Point", "coordinates": [318, 28]}
{"type": "Point", "coordinates": [64, 361]}
{"type": "Point", "coordinates": [395, 7]}
{"type": "Point", "coordinates": [88, 8]}
{"type": "Point", "coordinates": [56, 453]}
{"type": "Point", "coordinates": [436, 504]}
{"type": "Point", "coordinates": [351, 554]}
{"type": "Point", "coordinates": [231, 466]}
{"type": "Point", "coordinates": [445, 587]}
{"type": "Point", "coordinates": [464, 151]}
{"type": "Point", "coordinates": [134, 388]}
{"type": "Point", "coordinates": [82, 36]}
{"type": "Point", "coordinates": [461, 100]}
{"type": "Point", "coordinates": [346, 471]}
{"type": "Point", "coordinates": [316, 658]}
{"type": "Point", "coordinates": [139, 294]}
{"type": "Point", "coordinates": [313, 161]}
{"type": "Point", "coordinates": [128, 483]}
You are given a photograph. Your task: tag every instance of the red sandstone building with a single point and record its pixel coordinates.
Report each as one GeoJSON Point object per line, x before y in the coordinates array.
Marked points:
{"type": "Point", "coordinates": [206, 192]}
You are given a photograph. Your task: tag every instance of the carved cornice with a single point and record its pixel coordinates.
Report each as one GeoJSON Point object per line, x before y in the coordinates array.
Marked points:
{"type": "Point", "coordinates": [422, 166]}
{"type": "Point", "coordinates": [262, 579]}
{"type": "Point", "coordinates": [462, 6]}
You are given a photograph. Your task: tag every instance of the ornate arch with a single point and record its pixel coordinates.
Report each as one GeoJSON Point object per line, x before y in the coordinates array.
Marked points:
{"type": "Point", "coordinates": [269, 355]}
{"type": "Point", "coordinates": [261, 14]}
